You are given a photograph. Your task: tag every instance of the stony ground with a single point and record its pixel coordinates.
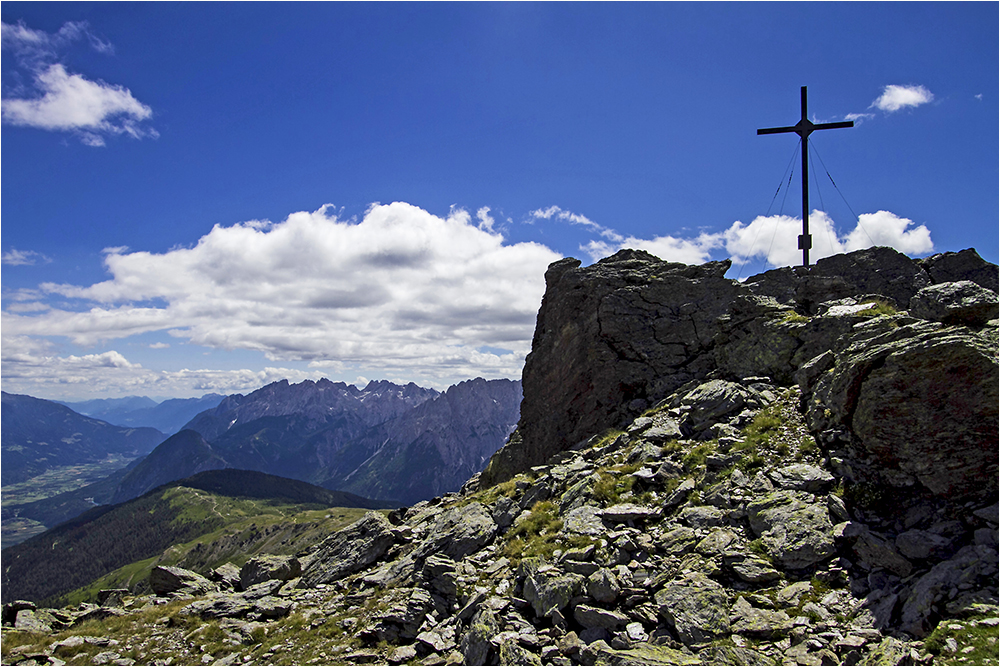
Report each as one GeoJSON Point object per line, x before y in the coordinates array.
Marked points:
{"type": "Point", "coordinates": [710, 531]}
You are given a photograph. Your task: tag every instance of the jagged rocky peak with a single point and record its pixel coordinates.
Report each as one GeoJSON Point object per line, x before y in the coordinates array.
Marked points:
{"type": "Point", "coordinates": [898, 371]}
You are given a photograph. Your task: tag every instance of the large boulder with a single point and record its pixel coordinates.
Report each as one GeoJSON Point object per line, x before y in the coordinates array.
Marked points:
{"type": "Point", "coordinates": [795, 531]}
{"type": "Point", "coordinates": [457, 532]}
{"type": "Point", "coordinates": [349, 550]}
{"type": "Point", "coordinates": [918, 401]}
{"type": "Point", "coordinates": [961, 302]}
{"type": "Point", "coordinates": [164, 580]}
{"type": "Point", "coordinates": [267, 567]}
{"type": "Point", "coordinates": [696, 607]}
{"type": "Point", "coordinates": [882, 271]}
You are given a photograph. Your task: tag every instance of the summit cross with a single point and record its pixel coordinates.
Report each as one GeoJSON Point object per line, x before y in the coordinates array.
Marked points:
{"type": "Point", "coordinates": [804, 128]}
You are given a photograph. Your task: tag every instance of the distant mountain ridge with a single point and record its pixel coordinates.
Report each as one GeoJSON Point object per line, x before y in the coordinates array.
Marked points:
{"type": "Point", "coordinates": [169, 416]}
{"type": "Point", "coordinates": [388, 441]}
{"type": "Point", "coordinates": [38, 435]}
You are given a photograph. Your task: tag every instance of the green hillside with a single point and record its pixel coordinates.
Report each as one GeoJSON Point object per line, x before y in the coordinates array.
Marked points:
{"type": "Point", "coordinates": [214, 517]}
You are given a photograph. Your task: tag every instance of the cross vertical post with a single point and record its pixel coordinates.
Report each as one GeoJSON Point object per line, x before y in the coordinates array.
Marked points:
{"type": "Point", "coordinates": [804, 128]}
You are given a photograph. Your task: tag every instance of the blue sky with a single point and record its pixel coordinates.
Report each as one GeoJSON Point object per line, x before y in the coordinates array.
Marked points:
{"type": "Point", "coordinates": [208, 197]}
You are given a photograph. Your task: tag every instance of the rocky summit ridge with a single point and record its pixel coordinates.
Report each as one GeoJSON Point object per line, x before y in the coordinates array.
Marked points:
{"type": "Point", "coordinates": [798, 469]}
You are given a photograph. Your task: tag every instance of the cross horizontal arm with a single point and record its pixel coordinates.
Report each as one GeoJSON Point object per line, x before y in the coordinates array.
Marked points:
{"type": "Point", "coordinates": [777, 130]}
{"type": "Point", "coordinates": [833, 126]}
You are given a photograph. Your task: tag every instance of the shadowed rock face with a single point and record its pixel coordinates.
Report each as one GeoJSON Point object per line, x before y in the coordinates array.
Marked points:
{"type": "Point", "coordinates": [611, 339]}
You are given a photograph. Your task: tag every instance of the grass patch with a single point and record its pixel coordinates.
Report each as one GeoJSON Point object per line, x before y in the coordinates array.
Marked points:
{"type": "Point", "coordinates": [536, 534]}
{"type": "Point", "coordinates": [879, 308]}
{"type": "Point", "coordinates": [794, 318]}
{"type": "Point", "coordinates": [695, 457]}
{"type": "Point", "coordinates": [974, 644]}
{"type": "Point", "coordinates": [615, 482]}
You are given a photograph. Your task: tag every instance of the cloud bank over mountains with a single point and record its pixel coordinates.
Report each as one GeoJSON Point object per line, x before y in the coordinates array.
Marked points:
{"type": "Point", "coordinates": [401, 294]}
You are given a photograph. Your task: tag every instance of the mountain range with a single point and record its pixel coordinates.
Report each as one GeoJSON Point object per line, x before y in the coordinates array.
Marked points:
{"type": "Point", "coordinates": [402, 443]}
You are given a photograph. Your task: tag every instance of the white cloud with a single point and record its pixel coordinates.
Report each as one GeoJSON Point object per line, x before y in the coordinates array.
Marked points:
{"type": "Point", "coordinates": [894, 98]}
{"type": "Point", "coordinates": [402, 292]}
{"type": "Point", "coordinates": [31, 368]}
{"type": "Point", "coordinates": [775, 239]}
{"type": "Point", "coordinates": [554, 212]}
{"type": "Point", "coordinates": [71, 102]}
{"type": "Point", "coordinates": [58, 100]}
{"type": "Point", "coordinates": [15, 257]}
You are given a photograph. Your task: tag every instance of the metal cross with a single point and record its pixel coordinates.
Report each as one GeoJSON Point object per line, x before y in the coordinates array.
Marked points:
{"type": "Point", "coordinates": [804, 128]}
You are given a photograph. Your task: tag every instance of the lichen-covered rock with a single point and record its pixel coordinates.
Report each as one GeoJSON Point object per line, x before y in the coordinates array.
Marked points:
{"type": "Point", "coordinates": [761, 623]}
{"type": "Point", "coordinates": [458, 532]}
{"type": "Point", "coordinates": [965, 264]}
{"type": "Point", "coordinates": [349, 550]}
{"type": "Point", "coordinates": [964, 570]}
{"type": "Point", "coordinates": [267, 567]}
{"type": "Point", "coordinates": [164, 580]}
{"type": "Point", "coordinates": [548, 589]}
{"type": "Point", "coordinates": [796, 532]}
{"type": "Point", "coordinates": [696, 607]}
{"type": "Point", "coordinates": [802, 477]}
{"type": "Point", "coordinates": [962, 302]}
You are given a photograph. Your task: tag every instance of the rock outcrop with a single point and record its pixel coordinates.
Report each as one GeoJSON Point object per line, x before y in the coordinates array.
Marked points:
{"type": "Point", "coordinates": [902, 397]}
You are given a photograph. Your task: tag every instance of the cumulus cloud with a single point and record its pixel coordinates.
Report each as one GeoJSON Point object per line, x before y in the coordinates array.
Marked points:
{"type": "Point", "coordinates": [402, 292]}
{"type": "Point", "coordinates": [775, 240]}
{"type": "Point", "coordinates": [58, 100]}
{"type": "Point", "coordinates": [894, 98]}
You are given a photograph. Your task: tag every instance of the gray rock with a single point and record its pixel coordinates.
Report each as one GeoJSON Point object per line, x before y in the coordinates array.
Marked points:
{"type": "Point", "coordinates": [759, 623]}
{"type": "Point", "coordinates": [696, 607]}
{"type": "Point", "coordinates": [219, 606]}
{"type": "Point", "coordinates": [584, 520]}
{"type": "Point", "coordinates": [679, 495]}
{"type": "Point", "coordinates": [878, 552]}
{"type": "Point", "coordinates": [919, 399]}
{"type": "Point", "coordinates": [629, 327]}
{"type": "Point", "coordinates": [226, 575]}
{"type": "Point", "coordinates": [963, 265]}
{"type": "Point", "coordinates": [459, 531]}
{"type": "Point", "coordinates": [34, 620]}
{"type": "Point", "coordinates": [547, 589]}
{"type": "Point", "coordinates": [475, 643]}
{"type": "Point", "coordinates": [267, 567]}
{"type": "Point", "coordinates": [703, 516]}
{"type": "Point", "coordinates": [802, 477]}
{"type": "Point", "coordinates": [921, 544]}
{"type": "Point", "coordinates": [796, 532]}
{"type": "Point", "coordinates": [717, 400]}
{"type": "Point", "coordinates": [349, 550]}
{"type": "Point", "coordinates": [628, 512]}
{"type": "Point", "coordinates": [717, 542]}
{"type": "Point", "coordinates": [594, 617]}
{"type": "Point", "coordinates": [962, 302]}
{"type": "Point", "coordinates": [964, 569]}
{"type": "Point", "coordinates": [752, 570]}
{"type": "Point", "coordinates": [164, 580]}
{"type": "Point", "coordinates": [678, 541]}
{"type": "Point", "coordinates": [603, 586]}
